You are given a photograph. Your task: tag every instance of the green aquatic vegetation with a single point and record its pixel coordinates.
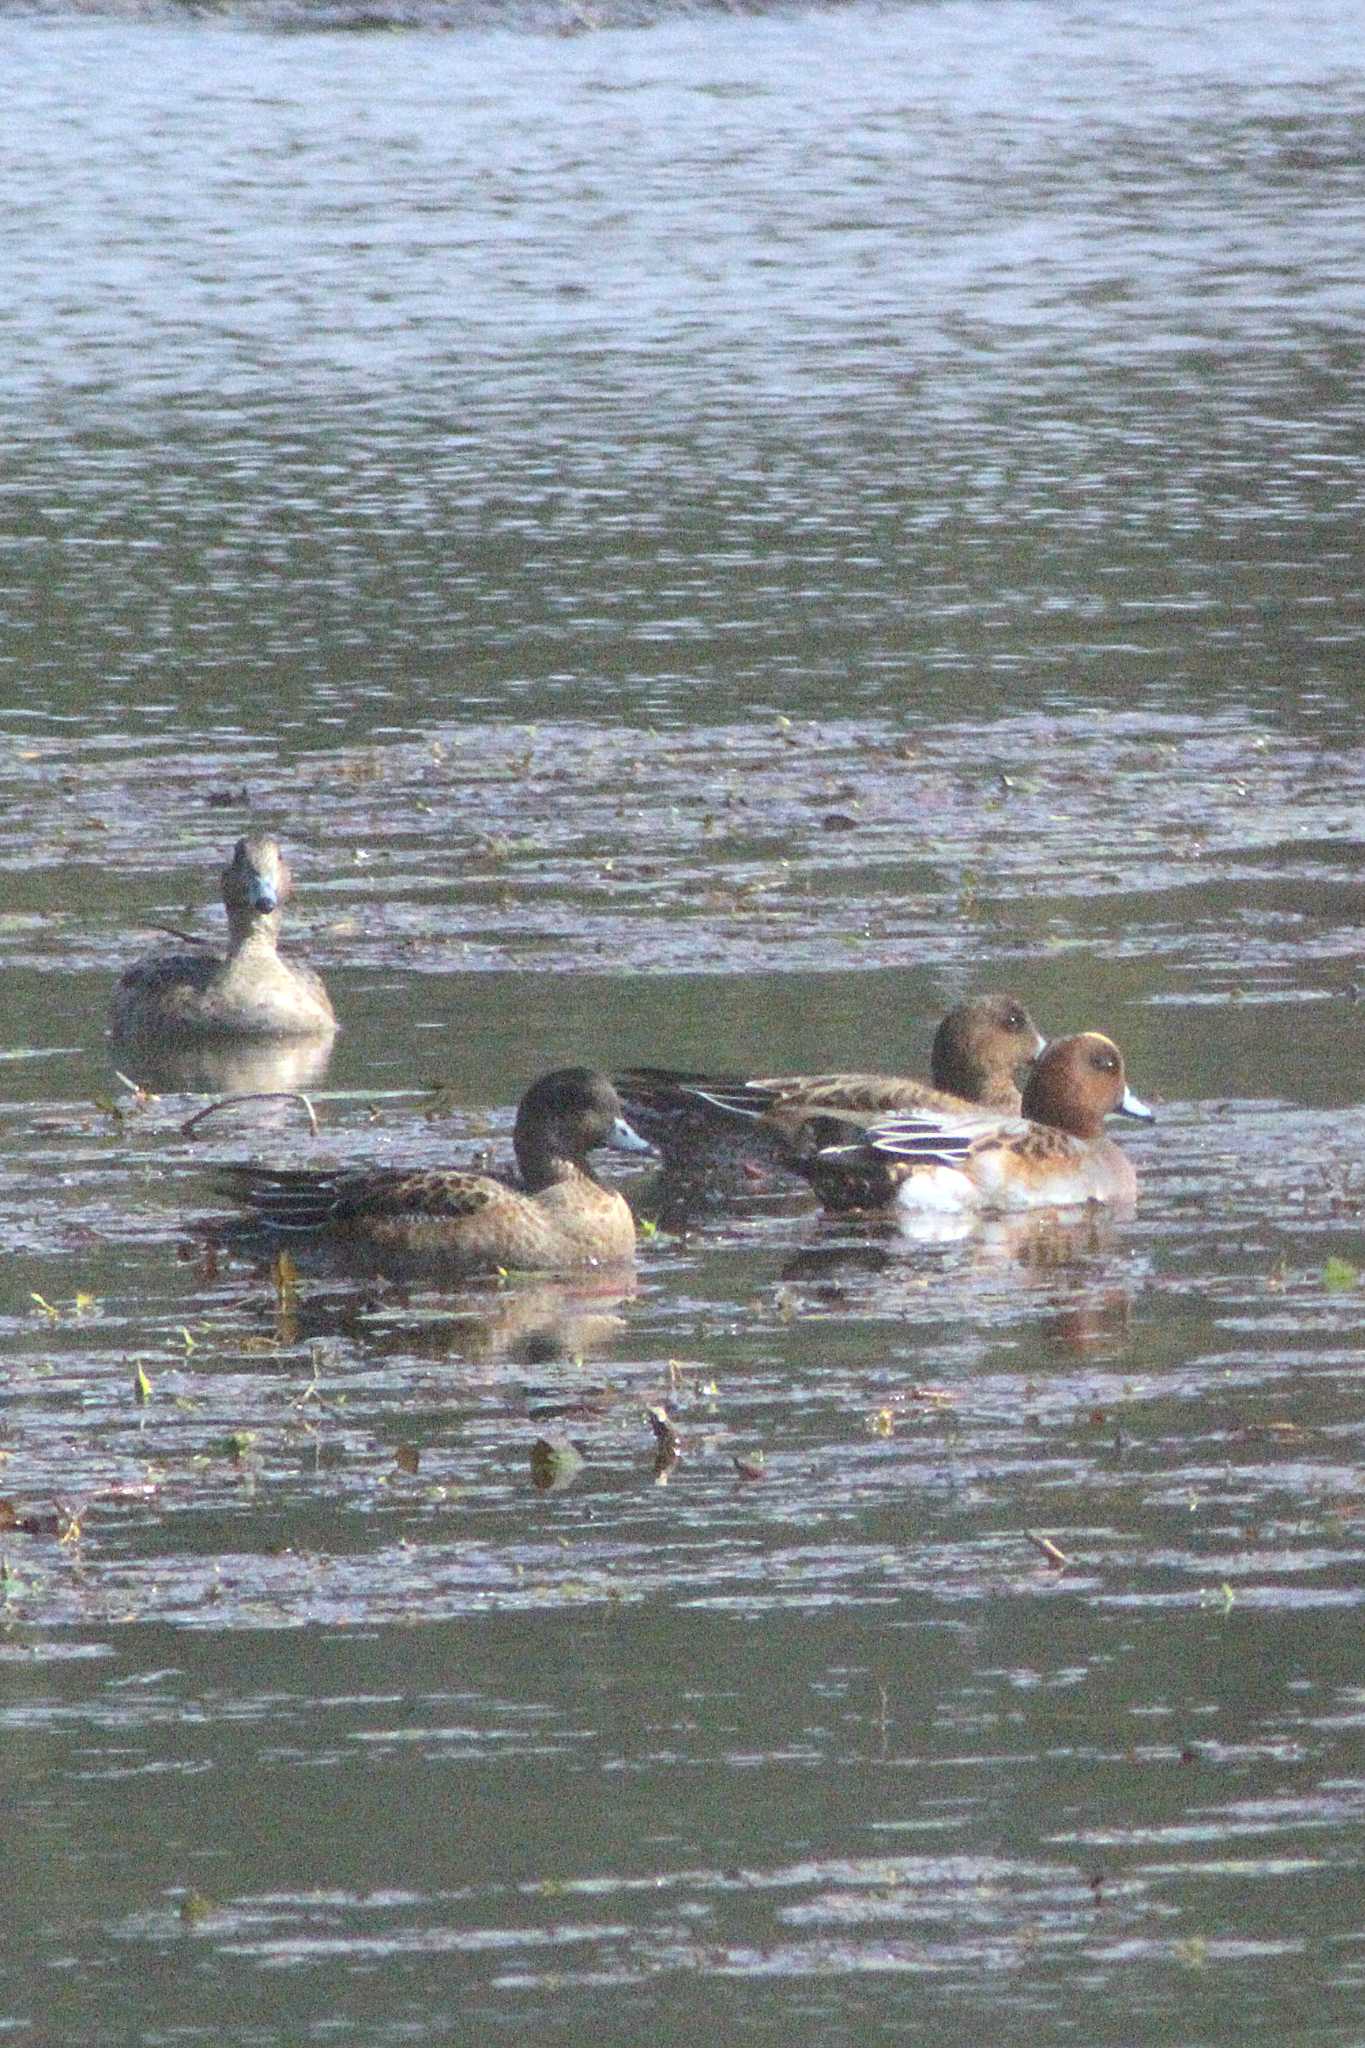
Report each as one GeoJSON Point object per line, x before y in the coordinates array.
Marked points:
{"type": "Point", "coordinates": [1339, 1276]}
{"type": "Point", "coordinates": [80, 1304]}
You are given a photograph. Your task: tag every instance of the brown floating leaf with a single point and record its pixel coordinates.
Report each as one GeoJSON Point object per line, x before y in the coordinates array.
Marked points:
{"type": "Point", "coordinates": [407, 1458]}
{"type": "Point", "coordinates": [60, 1522]}
{"type": "Point", "coordinates": [665, 1435]}
{"type": "Point", "coordinates": [285, 1275]}
{"type": "Point", "coordinates": [750, 1468]}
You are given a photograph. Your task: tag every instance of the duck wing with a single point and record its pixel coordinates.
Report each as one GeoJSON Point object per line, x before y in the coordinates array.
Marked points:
{"type": "Point", "coordinates": [299, 1198]}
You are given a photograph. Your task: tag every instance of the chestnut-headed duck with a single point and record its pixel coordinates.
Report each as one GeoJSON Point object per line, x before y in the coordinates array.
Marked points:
{"type": "Point", "coordinates": [1056, 1152]}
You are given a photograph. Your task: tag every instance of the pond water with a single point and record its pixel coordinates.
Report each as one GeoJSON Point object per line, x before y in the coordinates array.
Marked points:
{"type": "Point", "coordinates": [710, 537]}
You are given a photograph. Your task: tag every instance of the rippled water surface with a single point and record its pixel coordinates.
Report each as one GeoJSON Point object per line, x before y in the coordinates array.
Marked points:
{"type": "Point", "coordinates": [710, 535]}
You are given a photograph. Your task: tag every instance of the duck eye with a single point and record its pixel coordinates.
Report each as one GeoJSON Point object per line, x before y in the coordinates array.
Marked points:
{"type": "Point", "coordinates": [1014, 1018]}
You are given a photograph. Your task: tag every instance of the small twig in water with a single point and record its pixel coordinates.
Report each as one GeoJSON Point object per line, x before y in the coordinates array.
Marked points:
{"type": "Point", "coordinates": [1049, 1549]}
{"type": "Point", "coordinates": [200, 1116]}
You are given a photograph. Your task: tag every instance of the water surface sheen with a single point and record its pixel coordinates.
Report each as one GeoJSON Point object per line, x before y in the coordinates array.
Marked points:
{"type": "Point", "coordinates": [710, 536]}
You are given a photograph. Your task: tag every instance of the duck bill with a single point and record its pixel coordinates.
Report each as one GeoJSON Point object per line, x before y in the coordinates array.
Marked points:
{"type": "Point", "coordinates": [1131, 1106]}
{"type": "Point", "coordinates": [623, 1139]}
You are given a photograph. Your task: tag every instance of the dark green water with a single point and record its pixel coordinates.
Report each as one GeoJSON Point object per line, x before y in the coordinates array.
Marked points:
{"type": "Point", "coordinates": [708, 542]}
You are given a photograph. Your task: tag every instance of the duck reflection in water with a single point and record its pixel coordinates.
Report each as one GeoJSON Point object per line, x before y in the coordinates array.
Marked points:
{"type": "Point", "coordinates": [239, 1067]}
{"type": "Point", "coordinates": [1069, 1274]}
{"type": "Point", "coordinates": [485, 1321]}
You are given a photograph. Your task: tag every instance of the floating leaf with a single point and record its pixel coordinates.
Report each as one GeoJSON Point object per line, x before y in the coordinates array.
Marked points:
{"type": "Point", "coordinates": [1339, 1276]}
{"type": "Point", "coordinates": [665, 1435]}
{"type": "Point", "coordinates": [142, 1387]}
{"type": "Point", "coordinates": [407, 1458]}
{"type": "Point", "coordinates": [554, 1465]}
{"type": "Point", "coordinates": [34, 1521]}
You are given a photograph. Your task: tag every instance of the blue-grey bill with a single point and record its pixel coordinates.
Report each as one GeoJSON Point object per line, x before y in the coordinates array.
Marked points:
{"type": "Point", "coordinates": [1131, 1106]}
{"type": "Point", "coordinates": [627, 1140]}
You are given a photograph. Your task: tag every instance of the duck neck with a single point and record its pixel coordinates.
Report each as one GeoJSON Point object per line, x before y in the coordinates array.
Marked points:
{"type": "Point", "coordinates": [249, 932]}
{"type": "Point", "coordinates": [542, 1161]}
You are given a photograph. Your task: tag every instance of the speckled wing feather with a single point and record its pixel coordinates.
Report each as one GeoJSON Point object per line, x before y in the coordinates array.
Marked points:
{"type": "Point", "coordinates": [299, 1199]}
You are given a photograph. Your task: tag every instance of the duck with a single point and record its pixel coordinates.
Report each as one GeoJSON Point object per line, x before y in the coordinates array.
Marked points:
{"type": "Point", "coordinates": [1056, 1152]}
{"type": "Point", "coordinates": [559, 1219]}
{"type": "Point", "coordinates": [188, 995]}
{"type": "Point", "coordinates": [977, 1054]}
